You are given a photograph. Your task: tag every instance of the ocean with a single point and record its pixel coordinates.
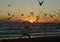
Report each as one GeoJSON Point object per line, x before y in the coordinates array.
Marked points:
{"type": "Point", "coordinates": [16, 29]}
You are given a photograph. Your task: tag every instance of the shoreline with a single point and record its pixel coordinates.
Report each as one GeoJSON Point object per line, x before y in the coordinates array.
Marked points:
{"type": "Point", "coordinates": [33, 39]}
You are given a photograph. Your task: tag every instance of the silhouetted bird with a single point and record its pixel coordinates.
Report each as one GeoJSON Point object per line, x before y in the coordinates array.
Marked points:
{"type": "Point", "coordinates": [45, 14]}
{"type": "Point", "coordinates": [9, 5]}
{"type": "Point", "coordinates": [58, 9]}
{"type": "Point", "coordinates": [9, 18]}
{"type": "Point", "coordinates": [40, 3]}
{"type": "Point", "coordinates": [31, 13]}
{"type": "Point", "coordinates": [26, 34]}
{"type": "Point", "coordinates": [28, 15]}
{"type": "Point", "coordinates": [22, 14]}
{"type": "Point", "coordinates": [37, 16]}
{"type": "Point", "coordinates": [50, 15]}
{"type": "Point", "coordinates": [16, 17]}
{"type": "Point", "coordinates": [58, 13]}
{"type": "Point", "coordinates": [9, 14]}
{"type": "Point", "coordinates": [12, 15]}
{"type": "Point", "coordinates": [37, 19]}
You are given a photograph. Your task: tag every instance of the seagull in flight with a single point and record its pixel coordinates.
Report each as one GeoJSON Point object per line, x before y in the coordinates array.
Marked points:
{"type": "Point", "coordinates": [9, 5]}
{"type": "Point", "coordinates": [40, 3]}
{"type": "Point", "coordinates": [9, 14]}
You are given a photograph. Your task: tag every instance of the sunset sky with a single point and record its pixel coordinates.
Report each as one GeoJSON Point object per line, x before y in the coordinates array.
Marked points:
{"type": "Point", "coordinates": [26, 6]}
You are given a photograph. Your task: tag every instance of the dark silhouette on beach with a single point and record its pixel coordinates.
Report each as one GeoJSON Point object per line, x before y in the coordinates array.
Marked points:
{"type": "Point", "coordinates": [26, 34]}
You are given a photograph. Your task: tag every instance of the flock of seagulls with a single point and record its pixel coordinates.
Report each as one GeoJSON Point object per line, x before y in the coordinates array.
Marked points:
{"type": "Point", "coordinates": [31, 13]}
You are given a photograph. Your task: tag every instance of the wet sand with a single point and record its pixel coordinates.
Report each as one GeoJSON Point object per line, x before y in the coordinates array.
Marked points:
{"type": "Point", "coordinates": [55, 38]}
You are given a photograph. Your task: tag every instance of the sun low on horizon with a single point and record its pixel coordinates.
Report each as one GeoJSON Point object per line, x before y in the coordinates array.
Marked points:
{"type": "Point", "coordinates": [30, 10]}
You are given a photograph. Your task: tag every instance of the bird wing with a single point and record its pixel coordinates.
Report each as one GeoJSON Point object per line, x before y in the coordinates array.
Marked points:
{"type": "Point", "coordinates": [42, 2]}
{"type": "Point", "coordinates": [39, 2]}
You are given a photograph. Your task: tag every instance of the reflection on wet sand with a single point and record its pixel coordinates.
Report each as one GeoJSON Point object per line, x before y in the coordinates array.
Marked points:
{"type": "Point", "coordinates": [22, 37]}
